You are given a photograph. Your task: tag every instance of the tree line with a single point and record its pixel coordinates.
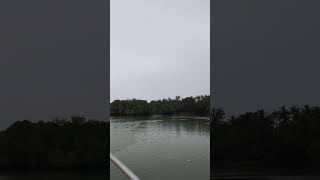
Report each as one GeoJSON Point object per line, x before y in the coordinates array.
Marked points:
{"type": "Point", "coordinates": [288, 137]}
{"type": "Point", "coordinates": [199, 105]}
{"type": "Point", "coordinates": [61, 144]}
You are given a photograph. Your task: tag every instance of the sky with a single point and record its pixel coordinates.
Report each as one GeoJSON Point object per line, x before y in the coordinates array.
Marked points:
{"type": "Point", "coordinates": [53, 54]}
{"type": "Point", "coordinates": [265, 54]}
{"type": "Point", "coordinates": [53, 59]}
{"type": "Point", "coordinates": [159, 48]}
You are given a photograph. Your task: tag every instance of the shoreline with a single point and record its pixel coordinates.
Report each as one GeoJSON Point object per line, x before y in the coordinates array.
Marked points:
{"type": "Point", "coordinates": [175, 116]}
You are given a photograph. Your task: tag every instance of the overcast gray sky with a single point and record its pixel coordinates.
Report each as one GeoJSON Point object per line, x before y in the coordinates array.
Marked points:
{"type": "Point", "coordinates": [266, 54]}
{"type": "Point", "coordinates": [53, 59]}
{"type": "Point", "coordinates": [159, 48]}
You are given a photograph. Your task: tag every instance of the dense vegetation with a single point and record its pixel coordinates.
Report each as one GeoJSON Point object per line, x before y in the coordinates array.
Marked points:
{"type": "Point", "coordinates": [62, 144]}
{"type": "Point", "coordinates": [199, 105]}
{"type": "Point", "coordinates": [284, 138]}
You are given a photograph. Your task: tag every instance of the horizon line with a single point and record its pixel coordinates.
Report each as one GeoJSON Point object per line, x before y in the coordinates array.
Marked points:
{"type": "Point", "coordinates": [158, 98]}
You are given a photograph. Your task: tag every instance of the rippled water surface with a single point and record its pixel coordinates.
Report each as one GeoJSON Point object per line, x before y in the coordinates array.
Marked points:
{"type": "Point", "coordinates": [159, 147]}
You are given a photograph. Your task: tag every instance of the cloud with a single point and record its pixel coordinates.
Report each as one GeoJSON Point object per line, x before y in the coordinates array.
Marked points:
{"type": "Point", "coordinates": [159, 48]}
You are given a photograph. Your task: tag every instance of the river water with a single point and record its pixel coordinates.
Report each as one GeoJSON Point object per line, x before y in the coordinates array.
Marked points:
{"type": "Point", "coordinates": [161, 147]}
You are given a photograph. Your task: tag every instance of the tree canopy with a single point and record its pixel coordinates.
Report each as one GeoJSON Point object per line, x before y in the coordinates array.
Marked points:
{"type": "Point", "coordinates": [199, 105]}
{"type": "Point", "coordinates": [284, 138]}
{"type": "Point", "coordinates": [74, 144]}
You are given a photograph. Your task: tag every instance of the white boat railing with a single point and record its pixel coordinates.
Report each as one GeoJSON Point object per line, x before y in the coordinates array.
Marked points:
{"type": "Point", "coordinates": [123, 167]}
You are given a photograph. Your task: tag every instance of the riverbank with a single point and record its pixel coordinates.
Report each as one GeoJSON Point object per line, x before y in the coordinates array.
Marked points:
{"type": "Point", "coordinates": [166, 117]}
{"type": "Point", "coordinates": [199, 105]}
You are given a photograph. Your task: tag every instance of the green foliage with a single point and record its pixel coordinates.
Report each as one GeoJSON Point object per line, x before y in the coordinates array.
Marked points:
{"type": "Point", "coordinates": [130, 107]}
{"type": "Point", "coordinates": [59, 144]}
{"type": "Point", "coordinates": [285, 138]}
{"type": "Point", "coordinates": [199, 105]}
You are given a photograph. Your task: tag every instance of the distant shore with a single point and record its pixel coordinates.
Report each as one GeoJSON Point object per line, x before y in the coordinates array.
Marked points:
{"type": "Point", "coordinates": [199, 105]}
{"type": "Point", "coordinates": [175, 116]}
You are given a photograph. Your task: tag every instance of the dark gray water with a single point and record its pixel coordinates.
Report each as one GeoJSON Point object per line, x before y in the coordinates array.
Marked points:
{"type": "Point", "coordinates": [159, 147]}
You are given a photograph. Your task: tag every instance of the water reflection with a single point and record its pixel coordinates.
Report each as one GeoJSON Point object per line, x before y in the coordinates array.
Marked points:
{"type": "Point", "coordinates": [173, 124]}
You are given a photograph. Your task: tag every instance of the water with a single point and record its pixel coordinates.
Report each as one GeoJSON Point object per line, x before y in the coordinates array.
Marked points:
{"type": "Point", "coordinates": [159, 147]}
